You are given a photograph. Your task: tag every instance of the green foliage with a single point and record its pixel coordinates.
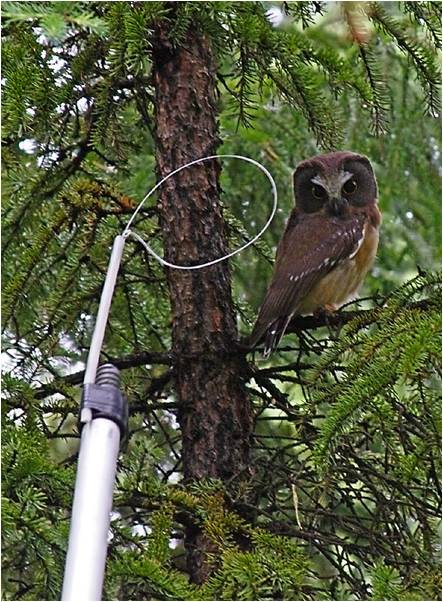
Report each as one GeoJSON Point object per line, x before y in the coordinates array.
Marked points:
{"type": "Point", "coordinates": [386, 583]}
{"type": "Point", "coordinates": [271, 566]}
{"type": "Point", "coordinates": [421, 55]}
{"type": "Point", "coordinates": [54, 18]}
{"type": "Point", "coordinates": [272, 570]}
{"type": "Point", "coordinates": [403, 349]}
{"type": "Point", "coordinates": [146, 578]}
{"type": "Point", "coordinates": [343, 499]}
{"type": "Point", "coordinates": [35, 495]}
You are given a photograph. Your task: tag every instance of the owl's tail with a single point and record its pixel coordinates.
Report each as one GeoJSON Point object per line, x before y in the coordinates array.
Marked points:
{"type": "Point", "coordinates": [274, 334]}
{"type": "Point", "coordinates": [271, 334]}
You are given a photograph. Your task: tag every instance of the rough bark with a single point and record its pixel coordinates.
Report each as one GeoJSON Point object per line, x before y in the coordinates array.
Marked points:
{"type": "Point", "coordinates": [215, 413]}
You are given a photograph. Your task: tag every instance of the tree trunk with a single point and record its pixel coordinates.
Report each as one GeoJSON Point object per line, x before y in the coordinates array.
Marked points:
{"type": "Point", "coordinates": [215, 413]}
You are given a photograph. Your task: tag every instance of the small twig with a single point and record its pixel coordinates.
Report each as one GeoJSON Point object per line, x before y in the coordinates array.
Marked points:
{"type": "Point", "coordinates": [129, 361]}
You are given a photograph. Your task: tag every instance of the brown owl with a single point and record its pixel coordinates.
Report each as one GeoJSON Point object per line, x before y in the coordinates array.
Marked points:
{"type": "Point", "coordinates": [328, 246]}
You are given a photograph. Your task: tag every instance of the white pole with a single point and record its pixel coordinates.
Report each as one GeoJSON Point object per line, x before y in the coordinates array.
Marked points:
{"type": "Point", "coordinates": [88, 537]}
{"type": "Point", "coordinates": [99, 447]}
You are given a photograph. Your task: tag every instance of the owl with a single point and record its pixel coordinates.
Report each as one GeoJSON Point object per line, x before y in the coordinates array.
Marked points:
{"type": "Point", "coordinates": [328, 246]}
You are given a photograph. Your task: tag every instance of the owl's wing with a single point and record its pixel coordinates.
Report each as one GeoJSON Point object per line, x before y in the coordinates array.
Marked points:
{"type": "Point", "coordinates": [310, 248]}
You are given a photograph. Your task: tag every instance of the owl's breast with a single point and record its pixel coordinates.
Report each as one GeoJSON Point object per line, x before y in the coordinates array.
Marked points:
{"type": "Point", "coordinates": [341, 284]}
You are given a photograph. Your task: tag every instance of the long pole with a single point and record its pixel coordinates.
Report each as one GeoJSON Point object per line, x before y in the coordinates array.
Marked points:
{"type": "Point", "coordinates": [99, 447]}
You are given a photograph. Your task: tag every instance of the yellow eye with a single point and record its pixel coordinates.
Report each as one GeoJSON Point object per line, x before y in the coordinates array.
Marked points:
{"type": "Point", "coordinates": [318, 192]}
{"type": "Point", "coordinates": [350, 186]}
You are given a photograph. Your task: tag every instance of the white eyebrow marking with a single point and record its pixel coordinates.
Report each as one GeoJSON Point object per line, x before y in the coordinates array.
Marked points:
{"type": "Point", "coordinates": [318, 180]}
{"type": "Point", "coordinates": [345, 177]}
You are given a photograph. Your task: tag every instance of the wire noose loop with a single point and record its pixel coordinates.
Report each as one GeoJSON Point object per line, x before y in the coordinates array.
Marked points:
{"type": "Point", "coordinates": [128, 232]}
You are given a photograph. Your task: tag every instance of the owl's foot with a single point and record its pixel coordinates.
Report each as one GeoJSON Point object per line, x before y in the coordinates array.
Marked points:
{"type": "Point", "coordinates": [325, 311]}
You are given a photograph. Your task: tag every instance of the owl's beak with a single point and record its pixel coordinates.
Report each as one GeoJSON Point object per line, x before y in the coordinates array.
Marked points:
{"type": "Point", "coordinates": [337, 205]}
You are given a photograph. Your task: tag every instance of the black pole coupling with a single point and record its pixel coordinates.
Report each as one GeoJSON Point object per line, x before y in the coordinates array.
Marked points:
{"type": "Point", "coordinates": [104, 398]}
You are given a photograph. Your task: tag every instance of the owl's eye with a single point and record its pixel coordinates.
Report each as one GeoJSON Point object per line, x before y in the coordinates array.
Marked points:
{"type": "Point", "coordinates": [350, 186]}
{"type": "Point", "coordinates": [318, 192]}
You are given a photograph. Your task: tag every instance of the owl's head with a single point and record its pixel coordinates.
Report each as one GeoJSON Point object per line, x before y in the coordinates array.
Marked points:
{"type": "Point", "coordinates": [334, 182]}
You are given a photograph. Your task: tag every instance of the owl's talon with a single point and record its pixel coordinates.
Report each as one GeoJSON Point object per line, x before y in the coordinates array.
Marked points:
{"type": "Point", "coordinates": [330, 309]}
{"type": "Point", "coordinates": [325, 311]}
